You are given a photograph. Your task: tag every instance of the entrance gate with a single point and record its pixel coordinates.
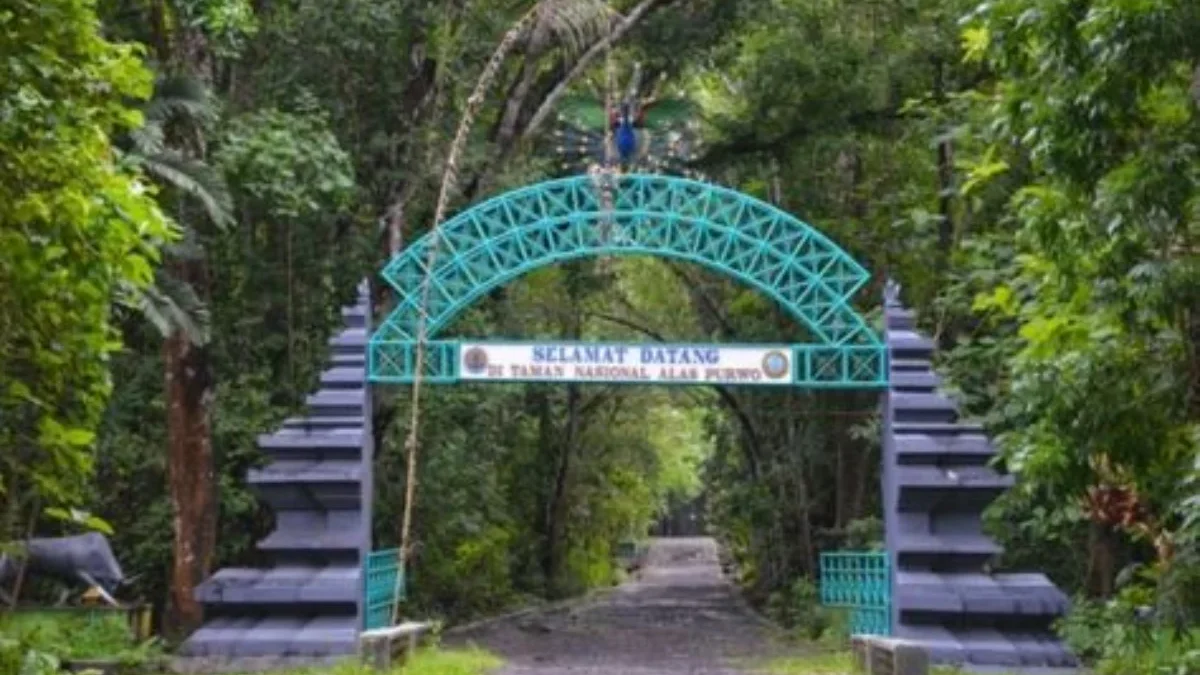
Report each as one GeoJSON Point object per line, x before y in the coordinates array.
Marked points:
{"type": "Point", "coordinates": [741, 237]}
{"type": "Point", "coordinates": [936, 475]}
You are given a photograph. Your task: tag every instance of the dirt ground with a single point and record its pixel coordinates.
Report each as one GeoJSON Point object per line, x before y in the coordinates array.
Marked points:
{"type": "Point", "coordinates": [679, 615]}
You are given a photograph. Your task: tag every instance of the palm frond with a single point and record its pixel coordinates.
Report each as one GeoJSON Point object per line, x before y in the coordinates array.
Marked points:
{"type": "Point", "coordinates": [576, 23]}
{"type": "Point", "coordinates": [179, 98]}
{"type": "Point", "coordinates": [147, 139]}
{"type": "Point", "coordinates": [194, 179]}
{"type": "Point", "coordinates": [187, 248]}
{"type": "Point", "coordinates": [172, 305]}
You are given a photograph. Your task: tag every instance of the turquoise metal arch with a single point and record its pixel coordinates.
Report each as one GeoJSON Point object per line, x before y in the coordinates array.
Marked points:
{"type": "Point", "coordinates": [507, 236]}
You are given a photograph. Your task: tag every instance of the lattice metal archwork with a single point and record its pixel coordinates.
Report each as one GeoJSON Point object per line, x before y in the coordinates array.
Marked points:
{"type": "Point", "coordinates": [734, 234]}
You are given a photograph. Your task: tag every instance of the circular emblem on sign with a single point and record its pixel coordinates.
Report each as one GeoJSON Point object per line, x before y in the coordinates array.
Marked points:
{"type": "Point", "coordinates": [475, 360]}
{"type": "Point", "coordinates": [776, 364]}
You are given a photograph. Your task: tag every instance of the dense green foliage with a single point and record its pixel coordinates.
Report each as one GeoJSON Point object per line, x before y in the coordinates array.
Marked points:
{"type": "Point", "coordinates": [78, 232]}
{"type": "Point", "coordinates": [1091, 300]}
{"type": "Point", "coordinates": [848, 157]}
{"type": "Point", "coordinates": [1028, 169]}
{"type": "Point", "coordinates": [278, 278]}
{"type": "Point", "coordinates": [1101, 292]}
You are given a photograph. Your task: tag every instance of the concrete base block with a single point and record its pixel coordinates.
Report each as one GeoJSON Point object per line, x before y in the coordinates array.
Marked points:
{"type": "Point", "coordinates": [860, 650]}
{"type": "Point", "coordinates": [384, 648]}
{"type": "Point", "coordinates": [885, 656]}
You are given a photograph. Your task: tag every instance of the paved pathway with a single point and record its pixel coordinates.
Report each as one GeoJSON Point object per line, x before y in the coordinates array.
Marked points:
{"type": "Point", "coordinates": [679, 616]}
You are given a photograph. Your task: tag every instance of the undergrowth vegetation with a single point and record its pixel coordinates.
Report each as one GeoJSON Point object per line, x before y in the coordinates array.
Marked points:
{"type": "Point", "coordinates": [1126, 635]}
{"type": "Point", "coordinates": [39, 643]}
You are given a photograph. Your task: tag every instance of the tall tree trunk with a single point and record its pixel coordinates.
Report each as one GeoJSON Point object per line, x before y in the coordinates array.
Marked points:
{"type": "Point", "coordinates": [945, 171]}
{"type": "Point", "coordinates": [189, 392]}
{"type": "Point", "coordinates": [191, 477]}
{"type": "Point", "coordinates": [557, 513]}
{"type": "Point", "coordinates": [864, 480]}
{"type": "Point", "coordinates": [557, 509]}
{"type": "Point", "coordinates": [1103, 548]}
{"type": "Point", "coordinates": [847, 479]}
{"type": "Point", "coordinates": [801, 475]}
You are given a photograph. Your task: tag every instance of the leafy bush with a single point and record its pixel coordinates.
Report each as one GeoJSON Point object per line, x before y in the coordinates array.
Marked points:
{"type": "Point", "coordinates": [798, 607]}
{"type": "Point", "coordinates": [837, 633]}
{"type": "Point", "coordinates": [18, 657]}
{"type": "Point", "coordinates": [1123, 637]}
{"type": "Point", "coordinates": [864, 534]}
{"type": "Point", "coordinates": [77, 231]}
{"type": "Point", "coordinates": [57, 637]}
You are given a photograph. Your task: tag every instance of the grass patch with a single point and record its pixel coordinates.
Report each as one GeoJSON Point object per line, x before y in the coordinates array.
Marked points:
{"type": "Point", "coordinates": [428, 661]}
{"type": "Point", "coordinates": [471, 661]}
{"type": "Point", "coordinates": [831, 663]}
{"type": "Point", "coordinates": [955, 670]}
{"type": "Point", "coordinates": [819, 663]}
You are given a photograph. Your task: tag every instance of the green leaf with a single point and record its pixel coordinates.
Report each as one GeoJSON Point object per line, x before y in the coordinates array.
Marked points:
{"type": "Point", "coordinates": [983, 171]}
{"type": "Point", "coordinates": [975, 43]}
{"type": "Point", "coordinates": [81, 518]}
{"type": "Point", "coordinates": [1001, 299]}
{"type": "Point", "coordinates": [79, 437]}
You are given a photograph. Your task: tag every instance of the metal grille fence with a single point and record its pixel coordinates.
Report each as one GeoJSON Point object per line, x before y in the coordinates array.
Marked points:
{"type": "Point", "coordinates": [382, 569]}
{"type": "Point", "coordinates": [861, 582]}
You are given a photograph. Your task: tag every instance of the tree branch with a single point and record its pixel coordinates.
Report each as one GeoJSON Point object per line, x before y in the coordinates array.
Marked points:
{"type": "Point", "coordinates": [710, 308]}
{"type": "Point", "coordinates": [507, 124]}
{"type": "Point", "coordinates": [632, 325]}
{"type": "Point", "coordinates": [632, 19]}
{"type": "Point", "coordinates": [752, 143]}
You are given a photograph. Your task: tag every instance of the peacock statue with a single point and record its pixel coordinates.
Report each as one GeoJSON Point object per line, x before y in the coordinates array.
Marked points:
{"type": "Point", "coordinates": [648, 133]}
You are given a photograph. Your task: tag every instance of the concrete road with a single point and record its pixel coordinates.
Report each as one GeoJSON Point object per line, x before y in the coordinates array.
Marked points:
{"type": "Point", "coordinates": [680, 615]}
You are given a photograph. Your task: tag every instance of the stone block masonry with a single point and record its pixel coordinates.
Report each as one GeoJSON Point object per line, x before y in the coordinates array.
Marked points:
{"type": "Point", "coordinates": [936, 483]}
{"type": "Point", "coordinates": [306, 604]}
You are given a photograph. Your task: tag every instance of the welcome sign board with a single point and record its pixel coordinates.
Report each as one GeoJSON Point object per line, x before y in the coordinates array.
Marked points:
{"type": "Point", "coordinates": [626, 362]}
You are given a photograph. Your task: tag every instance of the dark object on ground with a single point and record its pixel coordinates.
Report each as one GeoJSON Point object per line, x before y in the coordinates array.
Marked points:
{"type": "Point", "coordinates": [86, 558]}
{"type": "Point", "coordinates": [631, 555]}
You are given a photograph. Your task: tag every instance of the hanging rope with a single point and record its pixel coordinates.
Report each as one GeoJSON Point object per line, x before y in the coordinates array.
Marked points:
{"type": "Point", "coordinates": [605, 176]}
{"type": "Point", "coordinates": [449, 185]}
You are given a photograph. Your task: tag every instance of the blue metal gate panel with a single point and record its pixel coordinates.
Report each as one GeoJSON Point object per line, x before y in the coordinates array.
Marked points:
{"type": "Point", "coordinates": [861, 582]}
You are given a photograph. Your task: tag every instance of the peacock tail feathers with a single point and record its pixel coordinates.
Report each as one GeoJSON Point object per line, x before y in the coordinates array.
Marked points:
{"type": "Point", "coordinates": [584, 111]}
{"type": "Point", "coordinates": [645, 132]}
{"type": "Point", "coordinates": [669, 152]}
